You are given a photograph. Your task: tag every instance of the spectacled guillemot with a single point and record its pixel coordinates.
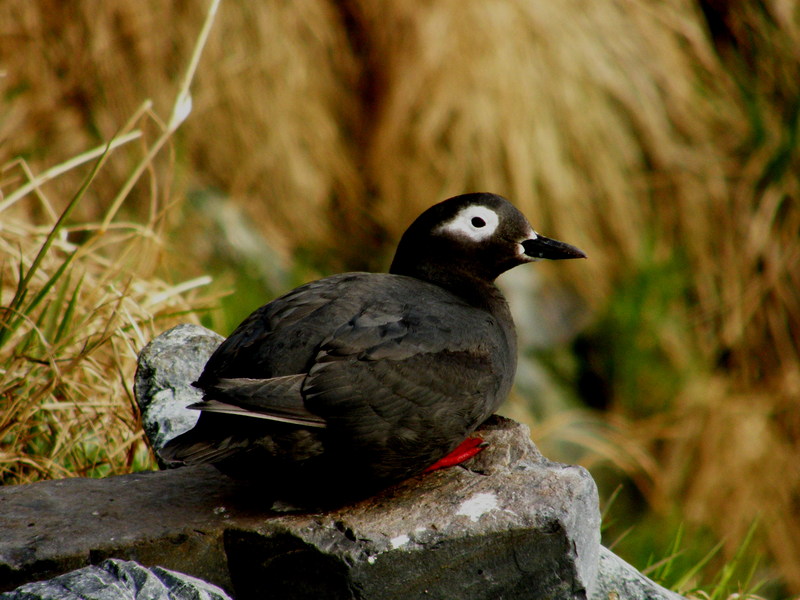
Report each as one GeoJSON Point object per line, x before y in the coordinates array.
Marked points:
{"type": "Point", "coordinates": [348, 384]}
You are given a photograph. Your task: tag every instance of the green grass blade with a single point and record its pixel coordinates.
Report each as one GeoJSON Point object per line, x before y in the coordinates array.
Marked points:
{"type": "Point", "coordinates": [54, 278]}
{"type": "Point", "coordinates": [25, 277]}
{"type": "Point", "coordinates": [673, 552]}
{"type": "Point", "coordinates": [692, 573]}
{"type": "Point", "coordinates": [69, 313]}
{"type": "Point", "coordinates": [722, 586]}
{"type": "Point", "coordinates": [26, 312]}
{"type": "Point", "coordinates": [56, 307]}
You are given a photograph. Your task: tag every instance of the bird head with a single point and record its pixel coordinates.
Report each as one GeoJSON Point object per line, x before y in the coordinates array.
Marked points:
{"type": "Point", "coordinates": [473, 236]}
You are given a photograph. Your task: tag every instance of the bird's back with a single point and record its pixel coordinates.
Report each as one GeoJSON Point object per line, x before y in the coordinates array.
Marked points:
{"type": "Point", "coordinates": [367, 313]}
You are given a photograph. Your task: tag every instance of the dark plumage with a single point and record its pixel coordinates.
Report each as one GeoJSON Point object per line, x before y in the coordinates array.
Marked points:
{"type": "Point", "coordinates": [352, 382]}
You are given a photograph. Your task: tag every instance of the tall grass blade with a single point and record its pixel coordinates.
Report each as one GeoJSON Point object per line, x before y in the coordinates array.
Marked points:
{"type": "Point", "coordinates": [661, 570]}
{"type": "Point", "coordinates": [682, 583]}
{"type": "Point", "coordinates": [7, 330]}
{"type": "Point", "coordinates": [723, 585]}
{"type": "Point", "coordinates": [69, 313]}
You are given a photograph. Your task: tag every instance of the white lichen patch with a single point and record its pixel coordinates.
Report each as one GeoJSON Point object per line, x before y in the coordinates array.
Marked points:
{"type": "Point", "coordinates": [400, 540]}
{"type": "Point", "coordinates": [478, 505]}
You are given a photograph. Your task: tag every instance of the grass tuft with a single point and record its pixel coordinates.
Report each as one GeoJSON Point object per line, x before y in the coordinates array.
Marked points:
{"type": "Point", "coordinates": [77, 303]}
{"type": "Point", "coordinates": [75, 308]}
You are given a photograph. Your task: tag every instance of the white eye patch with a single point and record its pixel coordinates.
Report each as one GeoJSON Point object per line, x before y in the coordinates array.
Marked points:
{"type": "Point", "coordinates": [474, 222]}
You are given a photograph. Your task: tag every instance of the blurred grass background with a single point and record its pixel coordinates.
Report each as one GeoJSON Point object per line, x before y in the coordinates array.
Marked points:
{"type": "Point", "coordinates": [660, 137]}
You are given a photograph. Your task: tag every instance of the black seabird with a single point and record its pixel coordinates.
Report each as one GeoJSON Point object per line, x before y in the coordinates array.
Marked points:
{"type": "Point", "coordinates": [356, 381]}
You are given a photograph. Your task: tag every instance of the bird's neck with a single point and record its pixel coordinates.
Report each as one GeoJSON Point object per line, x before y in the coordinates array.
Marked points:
{"type": "Point", "coordinates": [476, 291]}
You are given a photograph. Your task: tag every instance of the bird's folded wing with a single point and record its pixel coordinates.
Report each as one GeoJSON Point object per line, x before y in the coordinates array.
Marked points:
{"type": "Point", "coordinates": [282, 337]}
{"type": "Point", "coordinates": [275, 399]}
{"type": "Point", "coordinates": [389, 376]}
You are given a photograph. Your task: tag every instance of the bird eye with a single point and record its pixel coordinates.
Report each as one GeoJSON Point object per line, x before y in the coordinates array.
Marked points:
{"type": "Point", "coordinates": [475, 222]}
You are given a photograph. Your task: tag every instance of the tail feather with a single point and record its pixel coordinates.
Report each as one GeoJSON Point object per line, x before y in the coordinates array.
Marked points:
{"type": "Point", "coordinates": [189, 449]}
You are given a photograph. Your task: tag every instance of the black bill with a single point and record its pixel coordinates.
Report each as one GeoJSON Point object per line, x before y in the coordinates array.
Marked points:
{"type": "Point", "coordinates": [542, 247]}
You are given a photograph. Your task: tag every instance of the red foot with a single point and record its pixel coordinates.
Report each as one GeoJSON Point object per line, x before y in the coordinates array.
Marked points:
{"type": "Point", "coordinates": [465, 450]}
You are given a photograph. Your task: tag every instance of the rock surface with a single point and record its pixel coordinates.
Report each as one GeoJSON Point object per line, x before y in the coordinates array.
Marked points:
{"type": "Point", "coordinates": [618, 580]}
{"type": "Point", "coordinates": [118, 580]}
{"type": "Point", "coordinates": [514, 526]}
{"type": "Point", "coordinates": [167, 367]}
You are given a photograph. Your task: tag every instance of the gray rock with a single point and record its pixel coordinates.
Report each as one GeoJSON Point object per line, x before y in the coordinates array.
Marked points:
{"type": "Point", "coordinates": [167, 366]}
{"type": "Point", "coordinates": [174, 519]}
{"type": "Point", "coordinates": [118, 580]}
{"type": "Point", "coordinates": [617, 580]}
{"type": "Point", "coordinates": [514, 525]}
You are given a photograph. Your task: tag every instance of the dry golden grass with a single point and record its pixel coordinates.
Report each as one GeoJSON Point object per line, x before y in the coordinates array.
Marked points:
{"type": "Point", "coordinates": [275, 89]}
{"type": "Point", "coordinates": [624, 127]}
{"type": "Point", "coordinates": [78, 303]}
